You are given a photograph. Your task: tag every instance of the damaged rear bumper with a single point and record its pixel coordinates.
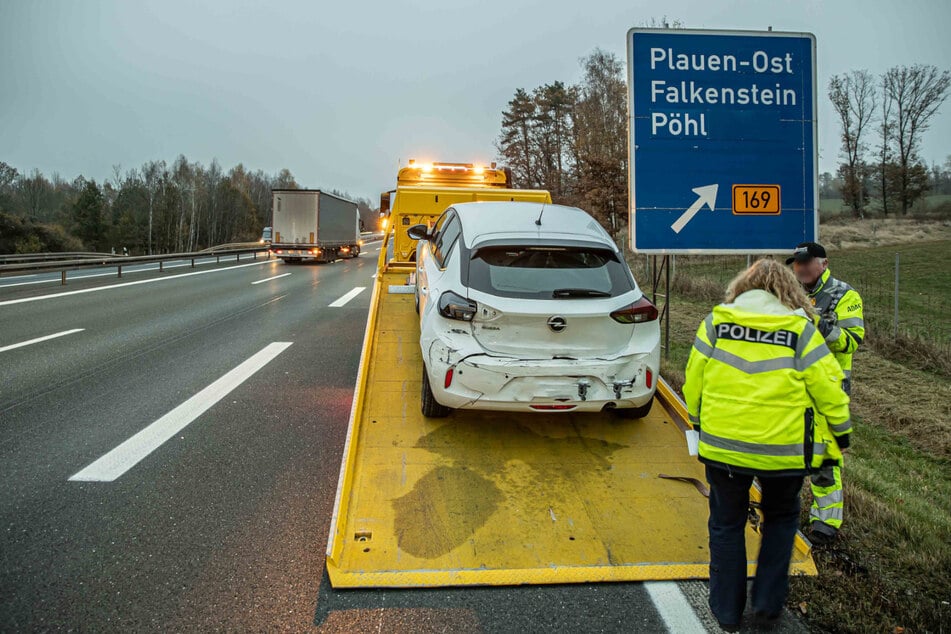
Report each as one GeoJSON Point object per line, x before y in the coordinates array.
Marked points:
{"type": "Point", "coordinates": [508, 384]}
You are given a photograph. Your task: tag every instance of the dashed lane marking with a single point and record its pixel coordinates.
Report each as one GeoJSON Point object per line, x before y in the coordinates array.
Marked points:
{"type": "Point", "coordinates": [276, 277]}
{"type": "Point", "coordinates": [346, 298]}
{"type": "Point", "coordinates": [40, 339]}
{"type": "Point", "coordinates": [132, 451]}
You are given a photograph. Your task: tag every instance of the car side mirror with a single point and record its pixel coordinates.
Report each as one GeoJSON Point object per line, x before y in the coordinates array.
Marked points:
{"type": "Point", "coordinates": [418, 232]}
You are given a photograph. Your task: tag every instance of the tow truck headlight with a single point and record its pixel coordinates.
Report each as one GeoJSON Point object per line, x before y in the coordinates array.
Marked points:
{"type": "Point", "coordinates": [453, 306]}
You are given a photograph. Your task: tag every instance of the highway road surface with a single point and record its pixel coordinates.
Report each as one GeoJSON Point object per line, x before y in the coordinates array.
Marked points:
{"type": "Point", "coordinates": [170, 445]}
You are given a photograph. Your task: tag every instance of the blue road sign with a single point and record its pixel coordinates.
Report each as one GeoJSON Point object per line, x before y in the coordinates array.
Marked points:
{"type": "Point", "coordinates": [722, 140]}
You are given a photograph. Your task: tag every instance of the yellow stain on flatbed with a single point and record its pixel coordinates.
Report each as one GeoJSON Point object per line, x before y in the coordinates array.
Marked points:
{"type": "Point", "coordinates": [506, 499]}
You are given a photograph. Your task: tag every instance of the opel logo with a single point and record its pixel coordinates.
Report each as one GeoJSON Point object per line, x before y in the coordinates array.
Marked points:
{"type": "Point", "coordinates": [557, 323]}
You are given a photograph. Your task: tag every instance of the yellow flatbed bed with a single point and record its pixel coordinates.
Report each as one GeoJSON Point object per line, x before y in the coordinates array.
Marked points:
{"type": "Point", "coordinates": [489, 498]}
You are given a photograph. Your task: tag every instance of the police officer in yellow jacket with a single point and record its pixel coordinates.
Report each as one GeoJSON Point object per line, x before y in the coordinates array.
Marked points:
{"type": "Point", "coordinates": [765, 393]}
{"type": "Point", "coordinates": [842, 324]}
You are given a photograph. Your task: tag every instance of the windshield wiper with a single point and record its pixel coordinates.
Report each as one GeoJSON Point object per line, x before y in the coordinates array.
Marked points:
{"type": "Point", "coordinates": [579, 292]}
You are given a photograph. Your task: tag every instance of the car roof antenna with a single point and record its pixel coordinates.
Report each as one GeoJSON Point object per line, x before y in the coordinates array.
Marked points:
{"type": "Point", "coordinates": [538, 221]}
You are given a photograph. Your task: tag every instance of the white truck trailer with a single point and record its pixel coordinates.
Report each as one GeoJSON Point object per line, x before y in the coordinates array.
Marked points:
{"type": "Point", "coordinates": [308, 224]}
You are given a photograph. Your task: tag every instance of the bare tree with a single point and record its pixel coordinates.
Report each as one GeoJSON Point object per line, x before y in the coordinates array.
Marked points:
{"type": "Point", "coordinates": [885, 135]}
{"type": "Point", "coordinates": [35, 188]}
{"type": "Point", "coordinates": [117, 175]}
{"type": "Point", "coordinates": [195, 204]}
{"type": "Point", "coordinates": [663, 22]}
{"type": "Point", "coordinates": [916, 92]}
{"type": "Point", "coordinates": [152, 176]}
{"type": "Point", "coordinates": [854, 99]}
{"type": "Point", "coordinates": [212, 187]}
{"type": "Point", "coordinates": [182, 178]}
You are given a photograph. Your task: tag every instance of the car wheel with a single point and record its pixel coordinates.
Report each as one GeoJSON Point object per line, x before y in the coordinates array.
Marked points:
{"type": "Point", "coordinates": [629, 413]}
{"type": "Point", "coordinates": [428, 404]}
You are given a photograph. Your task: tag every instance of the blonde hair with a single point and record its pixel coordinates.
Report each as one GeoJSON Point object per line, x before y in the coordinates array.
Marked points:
{"type": "Point", "coordinates": [771, 276]}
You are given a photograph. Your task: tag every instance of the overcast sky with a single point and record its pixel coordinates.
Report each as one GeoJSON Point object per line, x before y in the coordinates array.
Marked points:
{"type": "Point", "coordinates": [341, 93]}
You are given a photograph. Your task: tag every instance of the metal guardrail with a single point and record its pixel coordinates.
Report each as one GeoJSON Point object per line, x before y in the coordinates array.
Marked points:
{"type": "Point", "coordinates": [234, 245]}
{"type": "Point", "coordinates": [65, 265]}
{"type": "Point", "coordinates": [15, 258]}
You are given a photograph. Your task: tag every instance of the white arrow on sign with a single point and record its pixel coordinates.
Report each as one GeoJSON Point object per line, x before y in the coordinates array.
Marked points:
{"type": "Point", "coordinates": [705, 196]}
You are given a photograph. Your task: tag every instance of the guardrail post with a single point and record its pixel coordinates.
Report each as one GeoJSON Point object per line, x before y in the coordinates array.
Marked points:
{"type": "Point", "coordinates": [193, 262]}
{"type": "Point", "coordinates": [237, 257]}
{"type": "Point", "coordinates": [63, 282]}
{"type": "Point", "coordinates": [120, 270]}
{"type": "Point", "coordinates": [161, 266]}
{"type": "Point", "coordinates": [217, 259]}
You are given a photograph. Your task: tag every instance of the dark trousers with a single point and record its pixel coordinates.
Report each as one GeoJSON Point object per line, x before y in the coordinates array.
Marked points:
{"type": "Point", "coordinates": [729, 504]}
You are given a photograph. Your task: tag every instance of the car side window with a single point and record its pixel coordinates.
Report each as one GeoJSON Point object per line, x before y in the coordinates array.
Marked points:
{"type": "Point", "coordinates": [436, 229]}
{"type": "Point", "coordinates": [440, 223]}
{"type": "Point", "coordinates": [447, 251]}
{"type": "Point", "coordinates": [446, 239]}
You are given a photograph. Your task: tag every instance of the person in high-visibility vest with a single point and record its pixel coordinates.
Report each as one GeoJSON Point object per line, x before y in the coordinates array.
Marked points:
{"type": "Point", "coordinates": [842, 324]}
{"type": "Point", "coordinates": [765, 394]}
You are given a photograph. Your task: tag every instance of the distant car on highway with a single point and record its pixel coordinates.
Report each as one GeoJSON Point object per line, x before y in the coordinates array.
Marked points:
{"type": "Point", "coordinates": [531, 307]}
{"type": "Point", "coordinates": [266, 236]}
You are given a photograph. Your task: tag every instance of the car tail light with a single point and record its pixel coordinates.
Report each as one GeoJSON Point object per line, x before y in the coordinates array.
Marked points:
{"type": "Point", "coordinates": [639, 312]}
{"type": "Point", "coordinates": [279, 251]}
{"type": "Point", "coordinates": [552, 408]}
{"type": "Point", "coordinates": [649, 378]}
{"type": "Point", "coordinates": [448, 380]}
{"type": "Point", "coordinates": [452, 306]}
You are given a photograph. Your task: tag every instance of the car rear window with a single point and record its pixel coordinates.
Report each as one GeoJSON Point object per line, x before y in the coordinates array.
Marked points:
{"type": "Point", "coordinates": [538, 272]}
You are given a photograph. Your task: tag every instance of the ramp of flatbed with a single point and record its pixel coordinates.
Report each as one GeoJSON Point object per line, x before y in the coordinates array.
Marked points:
{"type": "Point", "coordinates": [506, 499]}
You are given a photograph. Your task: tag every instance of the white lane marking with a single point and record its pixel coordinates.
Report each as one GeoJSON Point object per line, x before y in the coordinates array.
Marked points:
{"type": "Point", "coordinates": [103, 288]}
{"type": "Point", "coordinates": [673, 607]}
{"type": "Point", "coordinates": [30, 283]}
{"type": "Point", "coordinates": [346, 298]}
{"type": "Point", "coordinates": [270, 278]}
{"type": "Point", "coordinates": [129, 453]}
{"type": "Point", "coordinates": [373, 277]}
{"type": "Point", "coordinates": [39, 339]}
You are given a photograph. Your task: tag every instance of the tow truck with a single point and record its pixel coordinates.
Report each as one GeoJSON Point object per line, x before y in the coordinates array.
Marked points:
{"type": "Point", "coordinates": [500, 498]}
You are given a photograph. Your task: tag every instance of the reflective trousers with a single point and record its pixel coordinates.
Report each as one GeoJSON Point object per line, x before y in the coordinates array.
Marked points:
{"type": "Point", "coordinates": [827, 499]}
{"type": "Point", "coordinates": [729, 504]}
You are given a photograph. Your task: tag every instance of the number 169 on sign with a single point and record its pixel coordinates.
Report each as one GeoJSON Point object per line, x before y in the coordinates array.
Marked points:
{"type": "Point", "coordinates": [756, 199]}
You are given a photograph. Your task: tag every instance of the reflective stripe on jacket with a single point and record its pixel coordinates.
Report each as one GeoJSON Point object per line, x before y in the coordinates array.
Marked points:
{"type": "Point", "coordinates": [756, 374]}
{"type": "Point", "coordinates": [840, 304]}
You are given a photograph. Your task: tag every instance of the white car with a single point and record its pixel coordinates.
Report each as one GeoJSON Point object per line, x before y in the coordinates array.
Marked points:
{"type": "Point", "coordinates": [531, 307]}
